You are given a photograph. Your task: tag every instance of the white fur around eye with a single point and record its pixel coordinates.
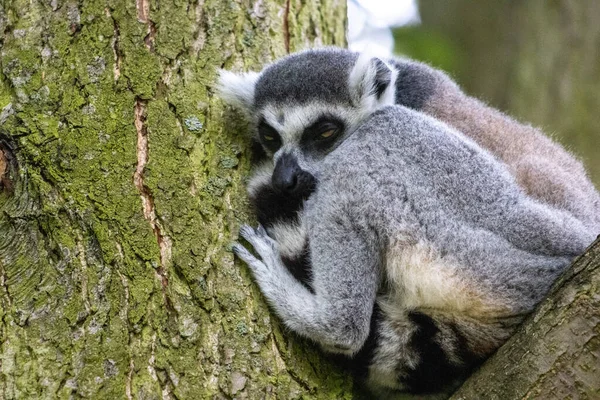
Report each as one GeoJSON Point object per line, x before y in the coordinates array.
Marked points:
{"type": "Point", "coordinates": [298, 118]}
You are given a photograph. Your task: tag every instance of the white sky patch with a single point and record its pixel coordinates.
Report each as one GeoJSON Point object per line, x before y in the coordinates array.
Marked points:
{"type": "Point", "coordinates": [369, 23]}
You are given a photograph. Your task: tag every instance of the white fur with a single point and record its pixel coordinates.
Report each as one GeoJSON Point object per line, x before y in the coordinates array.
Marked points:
{"type": "Point", "coordinates": [237, 90]}
{"type": "Point", "coordinates": [298, 118]}
{"type": "Point", "coordinates": [291, 238]}
{"type": "Point", "coordinates": [361, 83]}
{"type": "Point", "coordinates": [388, 97]}
{"type": "Point", "coordinates": [392, 347]}
{"type": "Point", "coordinates": [261, 178]}
{"type": "Point", "coordinates": [423, 280]}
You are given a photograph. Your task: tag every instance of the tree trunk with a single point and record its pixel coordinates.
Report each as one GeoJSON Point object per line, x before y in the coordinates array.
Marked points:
{"type": "Point", "coordinates": [556, 352]}
{"type": "Point", "coordinates": [121, 191]}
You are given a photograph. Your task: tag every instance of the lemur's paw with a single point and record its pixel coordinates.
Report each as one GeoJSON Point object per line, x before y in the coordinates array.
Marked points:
{"type": "Point", "coordinates": [242, 253]}
{"type": "Point", "coordinates": [256, 265]}
{"type": "Point", "coordinates": [262, 244]}
{"type": "Point", "coordinates": [246, 231]}
{"type": "Point", "coordinates": [262, 232]}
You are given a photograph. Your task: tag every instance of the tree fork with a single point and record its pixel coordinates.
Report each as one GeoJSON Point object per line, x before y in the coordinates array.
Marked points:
{"type": "Point", "coordinates": [555, 354]}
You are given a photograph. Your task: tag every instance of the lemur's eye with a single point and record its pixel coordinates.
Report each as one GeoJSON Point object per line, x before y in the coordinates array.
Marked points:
{"type": "Point", "coordinates": [326, 129]}
{"type": "Point", "coordinates": [328, 133]}
{"type": "Point", "coordinates": [268, 136]}
{"type": "Point", "coordinates": [323, 134]}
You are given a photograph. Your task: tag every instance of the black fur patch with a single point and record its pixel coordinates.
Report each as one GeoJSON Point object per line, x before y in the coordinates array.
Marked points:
{"type": "Point", "coordinates": [362, 359]}
{"type": "Point", "coordinates": [272, 206]}
{"type": "Point", "coordinates": [265, 130]}
{"type": "Point", "coordinates": [414, 85]}
{"type": "Point", "coordinates": [470, 360]}
{"type": "Point", "coordinates": [300, 266]}
{"type": "Point", "coordinates": [258, 153]}
{"type": "Point", "coordinates": [311, 141]}
{"type": "Point", "coordinates": [434, 372]}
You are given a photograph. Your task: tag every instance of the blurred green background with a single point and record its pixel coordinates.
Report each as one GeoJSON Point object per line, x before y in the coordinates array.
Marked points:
{"type": "Point", "coordinates": [538, 61]}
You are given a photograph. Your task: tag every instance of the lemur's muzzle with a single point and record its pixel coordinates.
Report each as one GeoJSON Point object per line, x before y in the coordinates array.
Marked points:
{"type": "Point", "coordinates": [289, 179]}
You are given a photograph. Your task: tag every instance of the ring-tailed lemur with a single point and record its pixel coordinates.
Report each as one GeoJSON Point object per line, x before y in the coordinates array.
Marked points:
{"type": "Point", "coordinates": [541, 167]}
{"type": "Point", "coordinates": [408, 214]}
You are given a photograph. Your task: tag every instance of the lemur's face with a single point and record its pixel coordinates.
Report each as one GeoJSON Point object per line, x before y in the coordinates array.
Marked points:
{"type": "Point", "coordinates": [299, 137]}
{"type": "Point", "coordinates": [306, 105]}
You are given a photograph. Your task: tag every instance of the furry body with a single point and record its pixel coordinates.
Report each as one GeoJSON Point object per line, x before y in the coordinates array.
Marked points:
{"type": "Point", "coordinates": [414, 251]}
{"type": "Point", "coordinates": [452, 270]}
{"type": "Point", "coordinates": [544, 170]}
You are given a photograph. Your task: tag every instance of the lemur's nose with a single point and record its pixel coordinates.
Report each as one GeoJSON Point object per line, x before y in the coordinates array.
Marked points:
{"type": "Point", "coordinates": [290, 183]}
{"type": "Point", "coordinates": [291, 180]}
{"type": "Point", "coordinates": [285, 175]}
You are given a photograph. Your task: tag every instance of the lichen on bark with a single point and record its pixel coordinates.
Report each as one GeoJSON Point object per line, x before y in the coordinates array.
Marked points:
{"type": "Point", "coordinates": [127, 189]}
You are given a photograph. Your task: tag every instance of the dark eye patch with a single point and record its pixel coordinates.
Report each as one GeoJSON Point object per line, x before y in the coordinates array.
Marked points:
{"type": "Point", "coordinates": [268, 136]}
{"type": "Point", "coordinates": [322, 134]}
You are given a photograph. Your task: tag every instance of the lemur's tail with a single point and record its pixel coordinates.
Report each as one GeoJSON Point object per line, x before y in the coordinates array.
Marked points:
{"type": "Point", "coordinates": [427, 352]}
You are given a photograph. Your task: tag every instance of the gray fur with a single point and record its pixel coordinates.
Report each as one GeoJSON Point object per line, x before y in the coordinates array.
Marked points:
{"type": "Point", "coordinates": [287, 81]}
{"type": "Point", "coordinates": [414, 85]}
{"type": "Point", "coordinates": [405, 175]}
{"type": "Point", "coordinates": [541, 167]}
{"type": "Point", "coordinates": [454, 235]}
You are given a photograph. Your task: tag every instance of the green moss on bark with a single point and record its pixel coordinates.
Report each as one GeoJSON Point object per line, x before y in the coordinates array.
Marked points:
{"type": "Point", "coordinates": [113, 288]}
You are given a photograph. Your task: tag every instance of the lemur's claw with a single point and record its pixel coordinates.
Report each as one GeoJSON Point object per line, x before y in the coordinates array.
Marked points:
{"type": "Point", "coordinates": [261, 230]}
{"type": "Point", "coordinates": [242, 253]}
{"type": "Point", "coordinates": [246, 231]}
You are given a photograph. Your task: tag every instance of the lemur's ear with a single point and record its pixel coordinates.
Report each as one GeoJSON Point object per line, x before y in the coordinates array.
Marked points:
{"type": "Point", "coordinates": [237, 90]}
{"type": "Point", "coordinates": [372, 82]}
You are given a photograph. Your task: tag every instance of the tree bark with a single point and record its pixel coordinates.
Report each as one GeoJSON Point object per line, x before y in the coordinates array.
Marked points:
{"type": "Point", "coordinates": [122, 185]}
{"type": "Point", "coordinates": [556, 353]}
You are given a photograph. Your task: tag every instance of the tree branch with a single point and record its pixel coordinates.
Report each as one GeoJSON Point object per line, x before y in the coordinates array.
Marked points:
{"type": "Point", "coordinates": [556, 352]}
